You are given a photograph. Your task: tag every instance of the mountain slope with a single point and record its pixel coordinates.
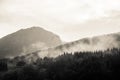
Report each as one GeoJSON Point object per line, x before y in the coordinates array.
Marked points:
{"type": "Point", "coordinates": [87, 44]}
{"type": "Point", "coordinates": [27, 41]}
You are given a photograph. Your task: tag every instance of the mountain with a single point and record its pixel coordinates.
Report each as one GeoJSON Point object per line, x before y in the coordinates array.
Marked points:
{"type": "Point", "coordinates": [27, 41]}
{"type": "Point", "coordinates": [96, 43]}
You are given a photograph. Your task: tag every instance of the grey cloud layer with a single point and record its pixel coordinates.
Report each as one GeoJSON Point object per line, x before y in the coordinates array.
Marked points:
{"type": "Point", "coordinates": [63, 17]}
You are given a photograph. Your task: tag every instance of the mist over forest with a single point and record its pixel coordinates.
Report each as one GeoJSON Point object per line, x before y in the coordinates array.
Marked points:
{"type": "Point", "coordinates": [37, 54]}
{"type": "Point", "coordinates": [98, 65]}
{"type": "Point", "coordinates": [59, 39]}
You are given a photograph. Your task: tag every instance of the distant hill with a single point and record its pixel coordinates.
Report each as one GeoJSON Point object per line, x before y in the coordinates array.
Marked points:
{"type": "Point", "coordinates": [27, 41]}
{"type": "Point", "coordinates": [96, 43]}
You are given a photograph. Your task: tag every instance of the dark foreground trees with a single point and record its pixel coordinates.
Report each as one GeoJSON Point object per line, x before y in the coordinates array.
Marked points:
{"type": "Point", "coordinates": [100, 65]}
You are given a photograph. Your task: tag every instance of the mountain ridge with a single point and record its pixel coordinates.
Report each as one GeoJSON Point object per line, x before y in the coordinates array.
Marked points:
{"type": "Point", "coordinates": [97, 43]}
{"type": "Point", "coordinates": [26, 40]}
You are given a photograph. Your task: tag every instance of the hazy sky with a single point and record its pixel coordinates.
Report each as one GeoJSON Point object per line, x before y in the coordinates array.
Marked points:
{"type": "Point", "coordinates": [71, 19]}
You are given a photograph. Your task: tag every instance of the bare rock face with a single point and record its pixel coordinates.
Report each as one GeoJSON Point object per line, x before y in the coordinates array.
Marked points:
{"type": "Point", "coordinates": [27, 41]}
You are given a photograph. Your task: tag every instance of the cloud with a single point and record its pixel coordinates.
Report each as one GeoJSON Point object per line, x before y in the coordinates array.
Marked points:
{"type": "Point", "coordinates": [93, 27]}
{"type": "Point", "coordinates": [64, 17]}
{"type": "Point", "coordinates": [67, 11]}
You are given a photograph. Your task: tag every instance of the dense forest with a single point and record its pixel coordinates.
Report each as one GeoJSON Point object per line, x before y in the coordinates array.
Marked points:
{"type": "Point", "coordinates": [98, 65]}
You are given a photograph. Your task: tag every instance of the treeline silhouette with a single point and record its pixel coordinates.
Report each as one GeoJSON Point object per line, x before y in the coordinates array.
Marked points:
{"type": "Point", "coordinates": [98, 65]}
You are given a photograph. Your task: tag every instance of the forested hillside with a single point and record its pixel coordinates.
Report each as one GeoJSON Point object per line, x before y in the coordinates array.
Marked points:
{"type": "Point", "coordinates": [98, 65]}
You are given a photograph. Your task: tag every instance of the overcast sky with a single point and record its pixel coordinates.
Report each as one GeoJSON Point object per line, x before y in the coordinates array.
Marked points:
{"type": "Point", "coordinates": [70, 19]}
